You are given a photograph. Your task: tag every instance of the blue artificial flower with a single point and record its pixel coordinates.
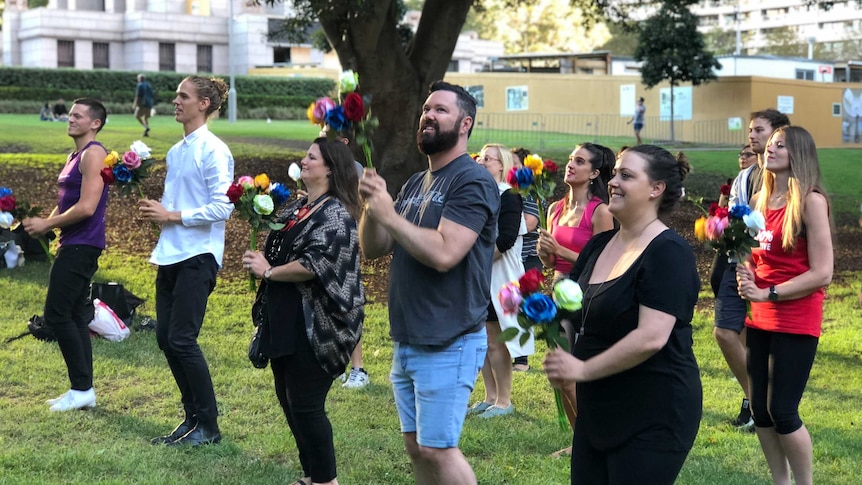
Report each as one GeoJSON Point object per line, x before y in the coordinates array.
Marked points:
{"type": "Point", "coordinates": [539, 308]}
{"type": "Point", "coordinates": [279, 193]}
{"type": "Point", "coordinates": [336, 119]}
{"type": "Point", "coordinates": [525, 177]}
{"type": "Point", "coordinates": [739, 210]}
{"type": "Point", "coordinates": [5, 191]}
{"type": "Point", "coordinates": [122, 173]}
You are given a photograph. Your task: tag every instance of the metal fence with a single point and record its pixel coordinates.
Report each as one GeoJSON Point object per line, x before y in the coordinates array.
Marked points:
{"type": "Point", "coordinates": [564, 130]}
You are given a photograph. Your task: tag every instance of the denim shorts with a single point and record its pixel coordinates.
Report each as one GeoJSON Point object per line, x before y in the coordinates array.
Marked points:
{"type": "Point", "coordinates": [730, 309]}
{"type": "Point", "coordinates": [432, 386]}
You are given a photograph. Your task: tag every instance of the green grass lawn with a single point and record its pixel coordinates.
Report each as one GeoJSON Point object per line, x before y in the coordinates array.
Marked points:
{"type": "Point", "coordinates": [137, 397]}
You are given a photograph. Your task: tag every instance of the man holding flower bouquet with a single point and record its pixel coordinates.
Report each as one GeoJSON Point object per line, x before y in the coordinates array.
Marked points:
{"type": "Point", "coordinates": [80, 216]}
{"type": "Point", "coordinates": [441, 230]}
{"type": "Point", "coordinates": [192, 215]}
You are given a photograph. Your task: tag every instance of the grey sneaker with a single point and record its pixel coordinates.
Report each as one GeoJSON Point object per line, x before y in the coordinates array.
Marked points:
{"type": "Point", "coordinates": [358, 378]}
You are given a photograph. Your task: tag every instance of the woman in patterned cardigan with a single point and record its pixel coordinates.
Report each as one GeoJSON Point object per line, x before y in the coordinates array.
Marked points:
{"type": "Point", "coordinates": [311, 300]}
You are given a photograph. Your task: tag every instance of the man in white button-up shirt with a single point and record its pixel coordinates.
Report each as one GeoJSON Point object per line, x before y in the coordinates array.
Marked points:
{"type": "Point", "coordinates": [192, 215]}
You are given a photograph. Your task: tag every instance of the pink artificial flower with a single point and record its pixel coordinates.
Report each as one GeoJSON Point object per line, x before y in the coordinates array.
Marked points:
{"type": "Point", "coordinates": [715, 227]}
{"type": "Point", "coordinates": [510, 297]}
{"type": "Point", "coordinates": [131, 160]}
{"type": "Point", "coordinates": [512, 177]}
{"type": "Point", "coordinates": [321, 106]}
{"type": "Point", "coordinates": [246, 181]}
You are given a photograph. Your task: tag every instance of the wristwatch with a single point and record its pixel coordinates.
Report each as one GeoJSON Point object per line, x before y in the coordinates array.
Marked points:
{"type": "Point", "coordinates": [267, 273]}
{"type": "Point", "coordinates": [773, 295]}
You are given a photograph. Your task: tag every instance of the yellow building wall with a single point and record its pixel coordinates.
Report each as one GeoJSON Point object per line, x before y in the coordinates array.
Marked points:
{"type": "Point", "coordinates": [712, 103]}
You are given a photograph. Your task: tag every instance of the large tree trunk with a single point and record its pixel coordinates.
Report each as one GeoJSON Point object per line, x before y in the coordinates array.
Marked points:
{"type": "Point", "coordinates": [368, 42]}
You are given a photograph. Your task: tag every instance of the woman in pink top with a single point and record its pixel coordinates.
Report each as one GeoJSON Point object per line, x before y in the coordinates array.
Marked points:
{"type": "Point", "coordinates": [573, 220]}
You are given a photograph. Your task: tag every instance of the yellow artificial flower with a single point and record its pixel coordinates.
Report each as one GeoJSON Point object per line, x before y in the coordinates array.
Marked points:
{"type": "Point", "coordinates": [700, 228]}
{"type": "Point", "coordinates": [310, 114]}
{"type": "Point", "coordinates": [262, 182]}
{"type": "Point", "coordinates": [111, 159]}
{"type": "Point", "coordinates": [534, 163]}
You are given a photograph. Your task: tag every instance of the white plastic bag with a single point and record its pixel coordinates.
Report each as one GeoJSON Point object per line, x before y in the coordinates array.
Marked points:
{"type": "Point", "coordinates": [107, 324]}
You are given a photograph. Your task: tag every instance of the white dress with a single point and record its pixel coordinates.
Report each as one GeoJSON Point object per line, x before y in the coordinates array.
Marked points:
{"type": "Point", "coordinates": [509, 267]}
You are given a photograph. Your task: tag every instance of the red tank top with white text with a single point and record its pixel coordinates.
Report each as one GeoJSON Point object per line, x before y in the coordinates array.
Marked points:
{"type": "Point", "coordinates": [773, 266]}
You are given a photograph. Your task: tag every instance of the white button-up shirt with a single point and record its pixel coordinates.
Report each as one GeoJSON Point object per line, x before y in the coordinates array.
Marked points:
{"type": "Point", "coordinates": [200, 170]}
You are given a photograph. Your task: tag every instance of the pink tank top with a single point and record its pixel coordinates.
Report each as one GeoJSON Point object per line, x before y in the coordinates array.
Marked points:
{"type": "Point", "coordinates": [573, 238]}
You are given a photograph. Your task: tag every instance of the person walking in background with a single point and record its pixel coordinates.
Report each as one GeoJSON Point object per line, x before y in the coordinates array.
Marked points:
{"type": "Point", "coordinates": [143, 103]}
{"type": "Point", "coordinates": [730, 310]}
{"type": "Point", "coordinates": [497, 370]}
{"type": "Point", "coordinates": [638, 384]}
{"type": "Point", "coordinates": [311, 303]}
{"type": "Point", "coordinates": [785, 282]}
{"type": "Point", "coordinates": [529, 256]}
{"type": "Point", "coordinates": [192, 215]}
{"type": "Point", "coordinates": [441, 231]}
{"type": "Point", "coordinates": [80, 216]}
{"type": "Point", "coordinates": [638, 119]}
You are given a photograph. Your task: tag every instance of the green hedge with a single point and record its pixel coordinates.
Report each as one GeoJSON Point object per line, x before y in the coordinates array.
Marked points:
{"type": "Point", "coordinates": [253, 92]}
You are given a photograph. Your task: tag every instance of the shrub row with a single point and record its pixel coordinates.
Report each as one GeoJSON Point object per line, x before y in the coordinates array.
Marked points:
{"type": "Point", "coordinates": [165, 109]}
{"type": "Point", "coordinates": [253, 92]}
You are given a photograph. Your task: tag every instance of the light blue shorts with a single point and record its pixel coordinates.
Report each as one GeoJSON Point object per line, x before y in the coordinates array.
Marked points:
{"type": "Point", "coordinates": [432, 385]}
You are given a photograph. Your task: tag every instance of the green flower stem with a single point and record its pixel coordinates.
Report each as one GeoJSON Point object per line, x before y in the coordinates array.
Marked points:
{"type": "Point", "coordinates": [562, 420]}
{"type": "Point", "coordinates": [366, 149]}
{"type": "Point", "coordinates": [252, 281]}
{"type": "Point", "coordinates": [44, 244]}
{"type": "Point", "coordinates": [543, 218]}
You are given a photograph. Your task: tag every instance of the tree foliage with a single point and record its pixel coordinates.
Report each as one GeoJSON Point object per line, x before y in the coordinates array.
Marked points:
{"type": "Point", "coordinates": [673, 50]}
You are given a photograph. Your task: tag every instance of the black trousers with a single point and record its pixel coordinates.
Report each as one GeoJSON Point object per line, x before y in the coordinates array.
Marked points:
{"type": "Point", "coordinates": [182, 290]}
{"type": "Point", "coordinates": [301, 386]}
{"type": "Point", "coordinates": [632, 463]}
{"type": "Point", "coordinates": [68, 310]}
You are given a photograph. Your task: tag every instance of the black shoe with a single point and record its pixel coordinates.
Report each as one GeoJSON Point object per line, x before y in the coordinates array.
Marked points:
{"type": "Point", "coordinates": [198, 436]}
{"type": "Point", "coordinates": [744, 421]}
{"type": "Point", "coordinates": [147, 132]}
{"type": "Point", "coordinates": [177, 433]}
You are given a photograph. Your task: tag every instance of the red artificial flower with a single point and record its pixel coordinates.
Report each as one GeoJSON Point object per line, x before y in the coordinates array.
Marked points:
{"type": "Point", "coordinates": [725, 189]}
{"type": "Point", "coordinates": [7, 204]}
{"type": "Point", "coordinates": [107, 175]}
{"type": "Point", "coordinates": [512, 177]}
{"type": "Point", "coordinates": [234, 192]}
{"type": "Point", "coordinates": [550, 166]}
{"type": "Point", "coordinates": [721, 212]}
{"type": "Point", "coordinates": [713, 208]}
{"type": "Point", "coordinates": [531, 281]}
{"type": "Point", "coordinates": [354, 107]}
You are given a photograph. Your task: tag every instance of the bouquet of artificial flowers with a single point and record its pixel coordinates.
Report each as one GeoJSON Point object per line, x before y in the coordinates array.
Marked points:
{"type": "Point", "coordinates": [730, 231]}
{"type": "Point", "coordinates": [540, 312]}
{"type": "Point", "coordinates": [535, 178]}
{"type": "Point", "coordinates": [255, 199]}
{"type": "Point", "coordinates": [351, 111]}
{"type": "Point", "coordinates": [129, 171]}
{"type": "Point", "coordinates": [12, 210]}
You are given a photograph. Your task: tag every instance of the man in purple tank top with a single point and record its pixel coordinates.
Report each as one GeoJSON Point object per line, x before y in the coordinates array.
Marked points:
{"type": "Point", "coordinates": [80, 216]}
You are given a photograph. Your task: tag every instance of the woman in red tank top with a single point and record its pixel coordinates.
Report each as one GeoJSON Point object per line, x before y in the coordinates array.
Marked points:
{"type": "Point", "coordinates": [785, 281]}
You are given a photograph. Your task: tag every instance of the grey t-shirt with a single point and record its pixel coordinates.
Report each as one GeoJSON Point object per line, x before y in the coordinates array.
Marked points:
{"type": "Point", "coordinates": [427, 307]}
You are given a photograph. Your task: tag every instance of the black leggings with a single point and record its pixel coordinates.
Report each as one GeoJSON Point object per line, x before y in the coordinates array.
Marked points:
{"type": "Point", "coordinates": [301, 386]}
{"type": "Point", "coordinates": [778, 367]}
{"type": "Point", "coordinates": [632, 463]}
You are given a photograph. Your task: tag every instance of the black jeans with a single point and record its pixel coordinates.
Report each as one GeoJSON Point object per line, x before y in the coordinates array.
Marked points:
{"type": "Point", "coordinates": [68, 310]}
{"type": "Point", "coordinates": [182, 290]}
{"type": "Point", "coordinates": [301, 386]}
{"type": "Point", "coordinates": [632, 463]}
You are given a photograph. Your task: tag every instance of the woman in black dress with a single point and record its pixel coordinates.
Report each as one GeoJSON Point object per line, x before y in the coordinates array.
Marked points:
{"type": "Point", "coordinates": [311, 301]}
{"type": "Point", "coordinates": [638, 386]}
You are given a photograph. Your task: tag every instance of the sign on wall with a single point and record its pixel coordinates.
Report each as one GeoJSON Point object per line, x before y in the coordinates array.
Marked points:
{"type": "Point", "coordinates": [785, 104]}
{"type": "Point", "coordinates": [851, 121]}
{"type": "Point", "coordinates": [517, 98]}
{"type": "Point", "coordinates": [627, 99]}
{"type": "Point", "coordinates": [681, 103]}
{"type": "Point", "coordinates": [478, 92]}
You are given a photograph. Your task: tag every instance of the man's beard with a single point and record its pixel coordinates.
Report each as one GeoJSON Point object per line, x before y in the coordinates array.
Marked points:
{"type": "Point", "coordinates": [439, 141]}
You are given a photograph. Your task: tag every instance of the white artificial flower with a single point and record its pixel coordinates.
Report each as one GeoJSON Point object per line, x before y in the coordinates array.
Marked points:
{"type": "Point", "coordinates": [6, 220]}
{"type": "Point", "coordinates": [141, 149]}
{"type": "Point", "coordinates": [294, 172]}
{"type": "Point", "coordinates": [755, 222]}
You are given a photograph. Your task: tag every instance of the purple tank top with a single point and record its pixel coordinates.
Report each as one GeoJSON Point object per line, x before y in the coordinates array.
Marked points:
{"type": "Point", "coordinates": [90, 231]}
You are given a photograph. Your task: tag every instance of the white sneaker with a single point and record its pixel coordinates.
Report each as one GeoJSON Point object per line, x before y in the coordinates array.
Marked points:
{"type": "Point", "coordinates": [358, 378]}
{"type": "Point", "coordinates": [57, 399]}
{"type": "Point", "coordinates": [76, 400]}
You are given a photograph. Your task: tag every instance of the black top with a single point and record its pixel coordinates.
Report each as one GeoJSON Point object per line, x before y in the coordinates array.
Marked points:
{"type": "Point", "coordinates": [658, 402]}
{"type": "Point", "coordinates": [509, 221]}
{"type": "Point", "coordinates": [284, 328]}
